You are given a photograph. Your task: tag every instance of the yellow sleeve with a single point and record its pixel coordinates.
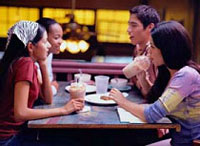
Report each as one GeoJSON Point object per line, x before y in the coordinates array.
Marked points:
{"type": "Point", "coordinates": [170, 99]}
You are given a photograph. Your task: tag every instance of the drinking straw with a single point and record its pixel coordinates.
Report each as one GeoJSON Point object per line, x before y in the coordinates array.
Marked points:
{"type": "Point", "coordinates": [80, 71]}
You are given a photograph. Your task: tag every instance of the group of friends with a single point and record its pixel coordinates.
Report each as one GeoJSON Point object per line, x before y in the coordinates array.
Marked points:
{"type": "Point", "coordinates": [171, 85]}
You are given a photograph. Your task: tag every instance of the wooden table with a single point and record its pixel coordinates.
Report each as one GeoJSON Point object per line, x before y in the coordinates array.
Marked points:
{"type": "Point", "coordinates": [100, 117]}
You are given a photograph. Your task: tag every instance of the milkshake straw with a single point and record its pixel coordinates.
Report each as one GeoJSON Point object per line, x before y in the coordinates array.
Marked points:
{"type": "Point", "coordinates": [80, 71]}
{"type": "Point", "coordinates": [76, 80]}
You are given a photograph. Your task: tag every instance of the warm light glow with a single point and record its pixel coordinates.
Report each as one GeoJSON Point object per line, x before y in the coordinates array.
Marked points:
{"type": "Point", "coordinates": [63, 46]}
{"type": "Point", "coordinates": [72, 47]}
{"type": "Point", "coordinates": [84, 17]}
{"type": "Point", "coordinates": [83, 45]}
{"type": "Point", "coordinates": [110, 28]}
{"type": "Point", "coordinates": [11, 15]}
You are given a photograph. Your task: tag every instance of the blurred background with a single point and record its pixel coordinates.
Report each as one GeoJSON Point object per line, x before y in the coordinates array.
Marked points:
{"type": "Point", "coordinates": [96, 30]}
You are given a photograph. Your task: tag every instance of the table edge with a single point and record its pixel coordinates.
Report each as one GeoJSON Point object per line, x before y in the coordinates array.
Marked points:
{"type": "Point", "coordinates": [177, 127]}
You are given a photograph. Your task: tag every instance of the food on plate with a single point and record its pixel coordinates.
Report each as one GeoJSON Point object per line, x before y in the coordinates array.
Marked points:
{"type": "Point", "coordinates": [105, 97]}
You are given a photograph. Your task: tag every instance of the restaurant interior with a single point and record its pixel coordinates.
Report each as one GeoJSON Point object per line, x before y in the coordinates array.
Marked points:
{"type": "Point", "coordinates": [98, 28]}
{"type": "Point", "coordinates": [95, 32]}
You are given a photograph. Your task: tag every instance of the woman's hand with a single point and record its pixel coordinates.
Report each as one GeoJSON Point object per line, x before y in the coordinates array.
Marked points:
{"type": "Point", "coordinates": [141, 77]}
{"type": "Point", "coordinates": [143, 83]}
{"type": "Point", "coordinates": [117, 96]}
{"type": "Point", "coordinates": [73, 105]}
{"type": "Point", "coordinates": [124, 103]}
{"type": "Point", "coordinates": [42, 62]}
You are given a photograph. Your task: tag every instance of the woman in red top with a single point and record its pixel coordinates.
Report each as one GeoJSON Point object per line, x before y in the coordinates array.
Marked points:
{"type": "Point", "coordinates": [19, 83]}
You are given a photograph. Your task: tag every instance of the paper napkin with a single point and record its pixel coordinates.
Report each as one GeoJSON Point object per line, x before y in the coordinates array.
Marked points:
{"type": "Point", "coordinates": [127, 116]}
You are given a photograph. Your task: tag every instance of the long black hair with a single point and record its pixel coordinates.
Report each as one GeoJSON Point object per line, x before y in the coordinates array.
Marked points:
{"type": "Point", "coordinates": [175, 44]}
{"type": "Point", "coordinates": [159, 85]}
{"type": "Point", "coordinates": [14, 51]}
{"type": "Point", "coordinates": [176, 47]}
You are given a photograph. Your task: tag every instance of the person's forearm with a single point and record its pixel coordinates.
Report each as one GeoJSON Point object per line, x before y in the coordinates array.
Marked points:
{"type": "Point", "coordinates": [46, 90]}
{"type": "Point", "coordinates": [135, 109]}
{"type": "Point", "coordinates": [31, 114]}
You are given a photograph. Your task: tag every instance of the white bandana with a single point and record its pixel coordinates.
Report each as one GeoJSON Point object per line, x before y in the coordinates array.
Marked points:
{"type": "Point", "coordinates": [24, 30]}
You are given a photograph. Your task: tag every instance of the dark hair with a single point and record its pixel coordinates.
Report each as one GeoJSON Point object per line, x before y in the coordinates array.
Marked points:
{"type": "Point", "coordinates": [175, 44]}
{"type": "Point", "coordinates": [14, 51]}
{"type": "Point", "coordinates": [146, 14]}
{"type": "Point", "coordinates": [176, 48]}
{"type": "Point", "coordinates": [159, 85]}
{"type": "Point", "coordinates": [39, 34]}
{"type": "Point", "coordinates": [46, 22]}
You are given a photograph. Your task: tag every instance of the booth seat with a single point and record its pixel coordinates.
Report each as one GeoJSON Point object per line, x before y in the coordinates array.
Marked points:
{"type": "Point", "coordinates": [72, 67]}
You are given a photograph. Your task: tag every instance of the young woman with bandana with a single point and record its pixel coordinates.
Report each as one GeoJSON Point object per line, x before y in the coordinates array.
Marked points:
{"type": "Point", "coordinates": [19, 84]}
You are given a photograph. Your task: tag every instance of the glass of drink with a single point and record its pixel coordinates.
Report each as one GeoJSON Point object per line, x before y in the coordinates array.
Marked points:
{"type": "Point", "coordinates": [77, 90]}
{"type": "Point", "coordinates": [139, 64]}
{"type": "Point", "coordinates": [101, 84]}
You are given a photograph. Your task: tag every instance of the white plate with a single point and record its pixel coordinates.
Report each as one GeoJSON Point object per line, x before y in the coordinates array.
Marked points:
{"type": "Point", "coordinates": [95, 98]}
{"type": "Point", "coordinates": [89, 88]}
